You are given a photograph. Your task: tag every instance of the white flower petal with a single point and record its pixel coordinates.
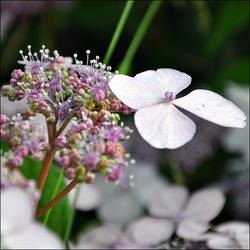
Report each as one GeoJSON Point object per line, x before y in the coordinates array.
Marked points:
{"type": "Point", "coordinates": [88, 199]}
{"type": "Point", "coordinates": [136, 94]}
{"type": "Point", "coordinates": [221, 242]}
{"type": "Point", "coordinates": [233, 228]}
{"type": "Point", "coordinates": [119, 209]}
{"type": "Point", "coordinates": [212, 107]}
{"type": "Point", "coordinates": [12, 108]}
{"type": "Point", "coordinates": [101, 236]}
{"type": "Point", "coordinates": [34, 236]}
{"type": "Point", "coordinates": [165, 80]}
{"type": "Point", "coordinates": [147, 182]}
{"type": "Point", "coordinates": [174, 80]}
{"type": "Point", "coordinates": [192, 230]}
{"type": "Point", "coordinates": [204, 205]}
{"type": "Point", "coordinates": [150, 231]}
{"type": "Point", "coordinates": [16, 210]}
{"type": "Point", "coordinates": [164, 126]}
{"type": "Point", "coordinates": [169, 202]}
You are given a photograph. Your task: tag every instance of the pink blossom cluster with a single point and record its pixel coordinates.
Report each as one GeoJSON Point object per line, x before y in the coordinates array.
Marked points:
{"type": "Point", "coordinates": [57, 88]}
{"type": "Point", "coordinates": [24, 138]}
{"type": "Point", "coordinates": [61, 90]}
{"type": "Point", "coordinates": [93, 144]}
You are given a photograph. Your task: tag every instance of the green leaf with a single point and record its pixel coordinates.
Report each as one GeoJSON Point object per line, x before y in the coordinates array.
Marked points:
{"type": "Point", "coordinates": [237, 72]}
{"type": "Point", "coordinates": [233, 18]}
{"type": "Point", "coordinates": [61, 211]}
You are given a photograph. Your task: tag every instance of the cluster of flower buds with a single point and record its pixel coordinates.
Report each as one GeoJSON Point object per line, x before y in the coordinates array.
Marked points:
{"type": "Point", "coordinates": [24, 138]}
{"type": "Point", "coordinates": [61, 89]}
{"type": "Point", "coordinates": [58, 89]}
{"type": "Point", "coordinates": [93, 145]}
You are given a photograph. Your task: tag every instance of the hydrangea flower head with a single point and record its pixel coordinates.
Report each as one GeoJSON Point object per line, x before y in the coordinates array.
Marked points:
{"type": "Point", "coordinates": [160, 123]}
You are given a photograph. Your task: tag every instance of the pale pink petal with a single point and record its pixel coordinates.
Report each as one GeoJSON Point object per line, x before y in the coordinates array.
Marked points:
{"type": "Point", "coordinates": [125, 242]}
{"type": "Point", "coordinates": [221, 242]}
{"type": "Point", "coordinates": [169, 202]}
{"type": "Point", "coordinates": [33, 236]}
{"type": "Point", "coordinates": [101, 236]}
{"type": "Point", "coordinates": [136, 94]}
{"type": "Point", "coordinates": [204, 205]}
{"type": "Point", "coordinates": [191, 230]}
{"type": "Point", "coordinates": [150, 231]}
{"type": "Point", "coordinates": [212, 107]}
{"type": "Point", "coordinates": [165, 80]}
{"type": "Point", "coordinates": [16, 210]}
{"type": "Point", "coordinates": [233, 228]}
{"type": "Point", "coordinates": [164, 126]}
{"type": "Point", "coordinates": [121, 208]}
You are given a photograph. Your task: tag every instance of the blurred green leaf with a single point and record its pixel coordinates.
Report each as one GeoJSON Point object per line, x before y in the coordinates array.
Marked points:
{"type": "Point", "coordinates": [61, 210]}
{"type": "Point", "coordinates": [237, 72]}
{"type": "Point", "coordinates": [233, 17]}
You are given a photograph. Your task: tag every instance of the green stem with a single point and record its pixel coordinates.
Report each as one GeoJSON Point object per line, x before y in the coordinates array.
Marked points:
{"type": "Point", "coordinates": [139, 36]}
{"type": "Point", "coordinates": [118, 31]}
{"type": "Point", "coordinates": [176, 172]}
{"type": "Point", "coordinates": [59, 180]}
{"type": "Point", "coordinates": [71, 217]}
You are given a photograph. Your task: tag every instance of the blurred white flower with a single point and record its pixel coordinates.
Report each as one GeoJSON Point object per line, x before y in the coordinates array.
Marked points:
{"type": "Point", "coordinates": [229, 235]}
{"type": "Point", "coordinates": [190, 217]}
{"type": "Point", "coordinates": [116, 204]}
{"type": "Point", "coordinates": [99, 237]}
{"type": "Point", "coordinates": [238, 139]}
{"type": "Point", "coordinates": [11, 108]}
{"type": "Point", "coordinates": [19, 230]}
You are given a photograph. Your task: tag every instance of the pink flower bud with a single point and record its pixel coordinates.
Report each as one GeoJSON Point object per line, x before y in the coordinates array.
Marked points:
{"type": "Point", "coordinates": [82, 112]}
{"type": "Point", "coordinates": [94, 130]}
{"type": "Point", "coordinates": [70, 173]}
{"type": "Point", "coordinates": [16, 161]}
{"type": "Point", "coordinates": [19, 94]}
{"type": "Point", "coordinates": [22, 151]}
{"type": "Point", "coordinates": [116, 105]}
{"type": "Point", "coordinates": [110, 147]}
{"type": "Point", "coordinates": [65, 161]}
{"type": "Point", "coordinates": [126, 110]}
{"type": "Point", "coordinates": [17, 74]}
{"type": "Point", "coordinates": [90, 177]}
{"type": "Point", "coordinates": [61, 142]}
{"type": "Point", "coordinates": [98, 95]}
{"type": "Point", "coordinates": [3, 119]}
{"type": "Point", "coordinates": [60, 59]}
{"type": "Point", "coordinates": [76, 137]}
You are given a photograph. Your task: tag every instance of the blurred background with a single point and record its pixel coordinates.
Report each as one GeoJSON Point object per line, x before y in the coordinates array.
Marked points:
{"type": "Point", "coordinates": [209, 40]}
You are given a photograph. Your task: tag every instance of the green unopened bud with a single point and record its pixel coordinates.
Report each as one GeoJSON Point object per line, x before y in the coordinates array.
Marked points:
{"type": "Point", "coordinates": [81, 170]}
{"type": "Point", "coordinates": [34, 107]}
{"type": "Point", "coordinates": [117, 116]}
{"type": "Point", "coordinates": [67, 92]}
{"type": "Point", "coordinates": [66, 74]}
{"type": "Point", "coordinates": [80, 178]}
{"type": "Point", "coordinates": [90, 105]}
{"type": "Point", "coordinates": [51, 120]}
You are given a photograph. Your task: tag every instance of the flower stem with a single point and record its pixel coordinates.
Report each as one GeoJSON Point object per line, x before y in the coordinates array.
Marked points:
{"type": "Point", "coordinates": [64, 125]}
{"type": "Point", "coordinates": [152, 9]}
{"type": "Point", "coordinates": [59, 180]}
{"type": "Point", "coordinates": [45, 168]}
{"type": "Point", "coordinates": [61, 195]}
{"type": "Point", "coordinates": [176, 172]}
{"type": "Point", "coordinates": [118, 31]}
{"type": "Point", "coordinates": [71, 218]}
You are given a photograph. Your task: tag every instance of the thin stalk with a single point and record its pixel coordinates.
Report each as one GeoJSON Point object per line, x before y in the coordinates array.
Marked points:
{"type": "Point", "coordinates": [118, 31]}
{"type": "Point", "coordinates": [45, 168]}
{"type": "Point", "coordinates": [71, 218]}
{"type": "Point", "coordinates": [60, 196]}
{"type": "Point", "coordinates": [152, 9]}
{"type": "Point", "coordinates": [64, 125]}
{"type": "Point", "coordinates": [59, 180]}
{"type": "Point", "coordinates": [176, 172]}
